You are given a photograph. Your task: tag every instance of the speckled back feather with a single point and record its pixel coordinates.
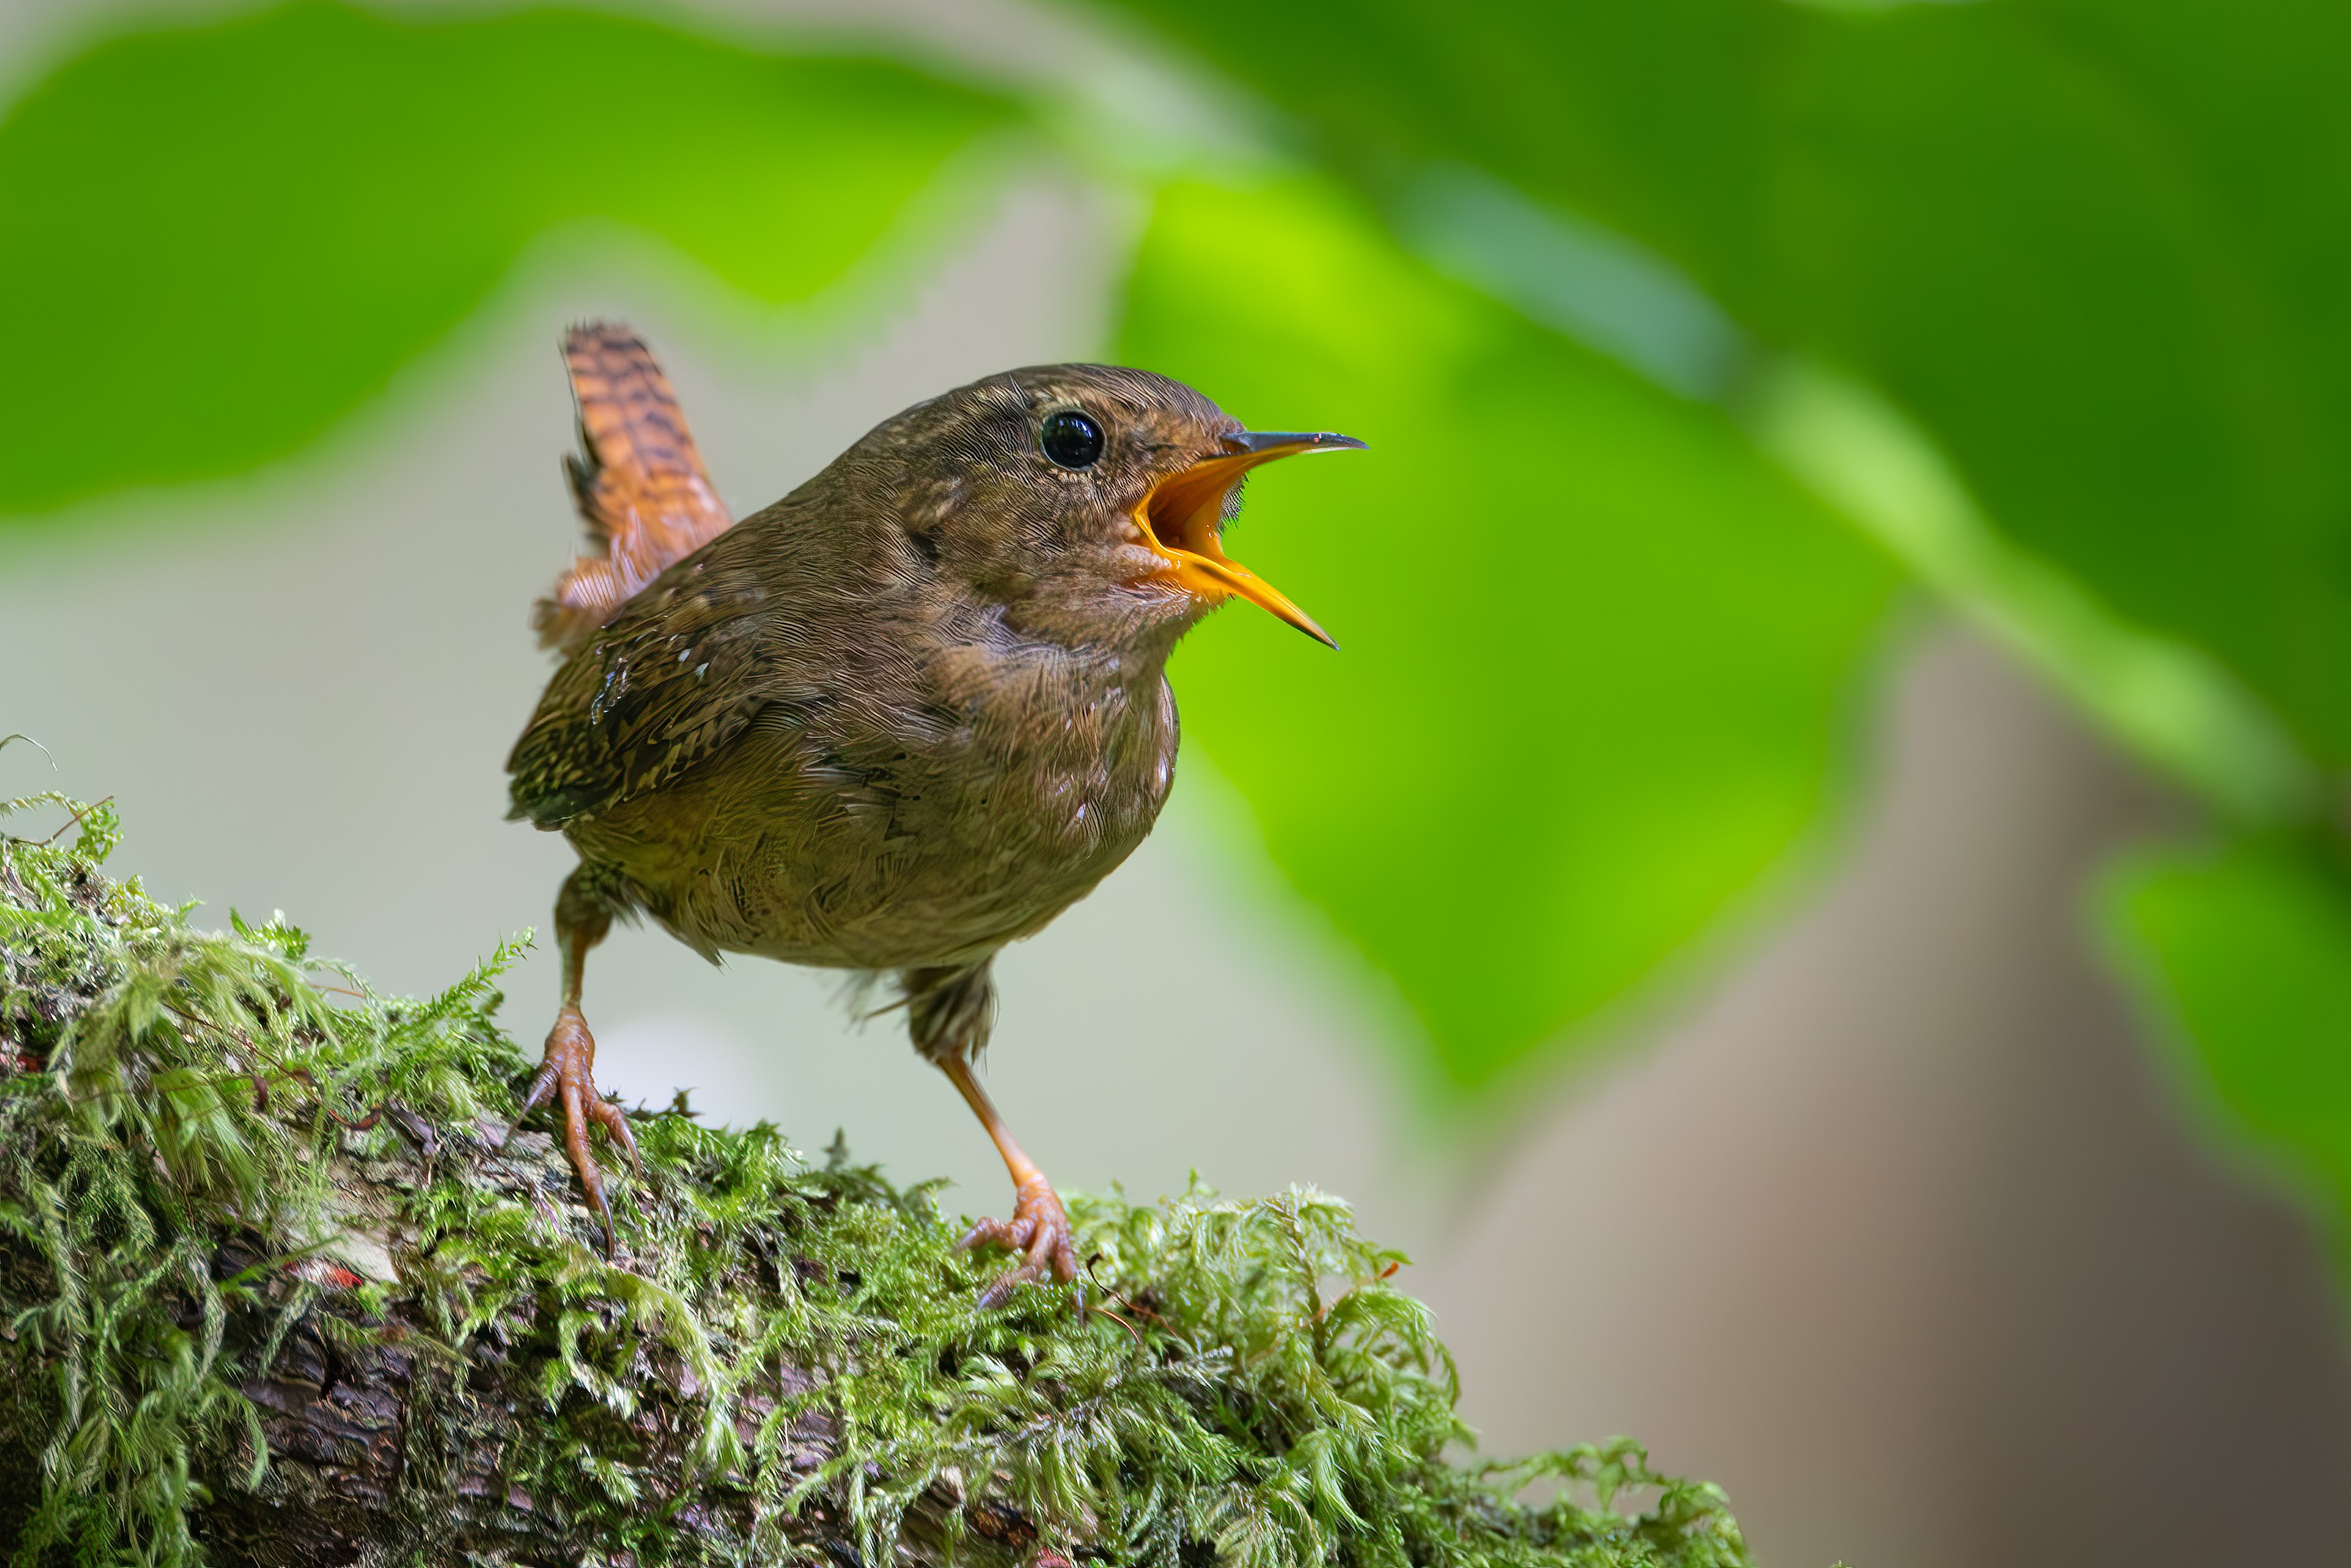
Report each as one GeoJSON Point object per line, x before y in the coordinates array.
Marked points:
{"type": "Point", "coordinates": [637, 479]}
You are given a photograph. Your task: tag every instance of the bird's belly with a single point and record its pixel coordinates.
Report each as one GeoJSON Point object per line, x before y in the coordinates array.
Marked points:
{"type": "Point", "coordinates": [781, 858]}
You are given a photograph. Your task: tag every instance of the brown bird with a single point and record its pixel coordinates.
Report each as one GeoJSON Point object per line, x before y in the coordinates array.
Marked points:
{"type": "Point", "coordinates": [904, 715]}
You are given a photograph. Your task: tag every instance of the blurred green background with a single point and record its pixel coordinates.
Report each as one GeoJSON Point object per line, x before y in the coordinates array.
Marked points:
{"type": "Point", "coordinates": [1707, 349]}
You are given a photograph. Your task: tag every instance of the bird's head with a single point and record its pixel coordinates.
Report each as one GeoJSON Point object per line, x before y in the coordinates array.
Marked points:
{"type": "Point", "coordinates": [1088, 501]}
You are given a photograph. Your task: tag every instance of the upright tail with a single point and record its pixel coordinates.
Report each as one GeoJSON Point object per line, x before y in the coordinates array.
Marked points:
{"type": "Point", "coordinates": [637, 479]}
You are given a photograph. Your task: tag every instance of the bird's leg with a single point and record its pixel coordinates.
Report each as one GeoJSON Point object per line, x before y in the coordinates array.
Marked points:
{"type": "Point", "coordinates": [949, 1012]}
{"type": "Point", "coordinates": [567, 1070]}
{"type": "Point", "coordinates": [1038, 1229]}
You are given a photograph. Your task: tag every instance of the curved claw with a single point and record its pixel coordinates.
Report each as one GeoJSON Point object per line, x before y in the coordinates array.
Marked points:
{"type": "Point", "coordinates": [1038, 1230]}
{"type": "Point", "coordinates": [567, 1074]}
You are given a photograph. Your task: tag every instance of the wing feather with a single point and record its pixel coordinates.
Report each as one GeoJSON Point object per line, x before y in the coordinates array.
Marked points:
{"type": "Point", "coordinates": [673, 677]}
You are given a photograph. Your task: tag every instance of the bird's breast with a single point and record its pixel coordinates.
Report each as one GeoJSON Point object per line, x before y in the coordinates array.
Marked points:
{"type": "Point", "coordinates": [900, 828]}
{"type": "Point", "coordinates": [1043, 785]}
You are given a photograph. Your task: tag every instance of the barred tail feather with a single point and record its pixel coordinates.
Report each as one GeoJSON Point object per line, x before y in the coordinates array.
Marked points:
{"type": "Point", "coordinates": [637, 480]}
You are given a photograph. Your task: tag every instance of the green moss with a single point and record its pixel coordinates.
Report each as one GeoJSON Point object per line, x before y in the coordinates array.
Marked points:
{"type": "Point", "coordinates": [219, 1158]}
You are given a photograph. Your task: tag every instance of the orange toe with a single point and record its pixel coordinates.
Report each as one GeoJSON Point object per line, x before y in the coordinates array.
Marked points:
{"type": "Point", "coordinates": [1038, 1230]}
{"type": "Point", "coordinates": [567, 1074]}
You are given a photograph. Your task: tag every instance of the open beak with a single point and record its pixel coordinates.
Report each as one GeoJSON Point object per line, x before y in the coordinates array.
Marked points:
{"type": "Point", "coordinates": [1184, 513]}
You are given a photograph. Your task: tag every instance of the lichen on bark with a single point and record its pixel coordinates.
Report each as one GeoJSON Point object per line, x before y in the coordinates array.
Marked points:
{"type": "Point", "coordinates": [277, 1286]}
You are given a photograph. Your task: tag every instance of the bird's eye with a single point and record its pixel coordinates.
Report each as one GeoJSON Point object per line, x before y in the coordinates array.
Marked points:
{"type": "Point", "coordinates": [1072, 439]}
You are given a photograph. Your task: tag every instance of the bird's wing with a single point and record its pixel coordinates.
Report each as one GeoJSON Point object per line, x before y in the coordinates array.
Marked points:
{"type": "Point", "coordinates": [637, 479]}
{"type": "Point", "coordinates": [677, 673]}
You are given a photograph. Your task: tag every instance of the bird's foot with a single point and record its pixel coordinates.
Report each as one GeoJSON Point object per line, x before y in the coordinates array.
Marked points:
{"type": "Point", "coordinates": [566, 1073]}
{"type": "Point", "coordinates": [1038, 1230]}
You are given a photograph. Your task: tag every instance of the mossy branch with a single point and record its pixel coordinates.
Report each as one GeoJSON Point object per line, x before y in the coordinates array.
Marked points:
{"type": "Point", "coordinates": [276, 1287]}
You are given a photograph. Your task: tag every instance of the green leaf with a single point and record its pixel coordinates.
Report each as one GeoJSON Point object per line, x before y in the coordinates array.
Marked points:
{"type": "Point", "coordinates": [2169, 701]}
{"type": "Point", "coordinates": [2095, 246]}
{"type": "Point", "coordinates": [2244, 950]}
{"type": "Point", "coordinates": [222, 238]}
{"type": "Point", "coordinates": [1598, 653]}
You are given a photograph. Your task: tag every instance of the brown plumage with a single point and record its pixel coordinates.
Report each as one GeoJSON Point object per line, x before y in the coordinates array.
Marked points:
{"type": "Point", "coordinates": [904, 717]}
{"type": "Point", "coordinates": [637, 480]}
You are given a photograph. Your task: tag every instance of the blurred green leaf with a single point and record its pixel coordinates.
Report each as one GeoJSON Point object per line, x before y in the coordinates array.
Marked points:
{"type": "Point", "coordinates": [1598, 653]}
{"type": "Point", "coordinates": [2245, 950]}
{"type": "Point", "coordinates": [2168, 701]}
{"type": "Point", "coordinates": [2095, 246]}
{"type": "Point", "coordinates": [221, 238]}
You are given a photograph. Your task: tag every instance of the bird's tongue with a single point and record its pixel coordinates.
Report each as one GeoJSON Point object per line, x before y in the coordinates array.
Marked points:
{"type": "Point", "coordinates": [1181, 515]}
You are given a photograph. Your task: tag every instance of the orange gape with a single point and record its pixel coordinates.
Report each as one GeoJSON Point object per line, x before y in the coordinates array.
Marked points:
{"type": "Point", "coordinates": [640, 485]}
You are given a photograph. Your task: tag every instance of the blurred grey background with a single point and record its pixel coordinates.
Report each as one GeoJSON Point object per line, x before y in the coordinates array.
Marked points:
{"type": "Point", "coordinates": [1891, 1227]}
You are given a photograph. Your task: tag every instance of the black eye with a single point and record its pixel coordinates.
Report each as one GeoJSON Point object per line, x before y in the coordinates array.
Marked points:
{"type": "Point", "coordinates": [1072, 439]}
